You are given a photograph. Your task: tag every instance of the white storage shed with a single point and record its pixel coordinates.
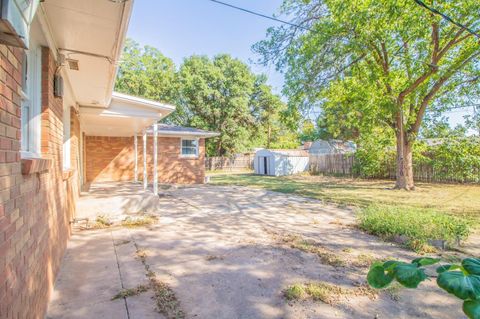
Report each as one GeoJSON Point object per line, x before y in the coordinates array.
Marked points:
{"type": "Point", "coordinates": [280, 162]}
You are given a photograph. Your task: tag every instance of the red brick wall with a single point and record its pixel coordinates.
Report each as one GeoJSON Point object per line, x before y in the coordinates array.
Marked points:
{"type": "Point", "coordinates": [109, 158]}
{"type": "Point", "coordinates": [112, 159]}
{"type": "Point", "coordinates": [34, 216]}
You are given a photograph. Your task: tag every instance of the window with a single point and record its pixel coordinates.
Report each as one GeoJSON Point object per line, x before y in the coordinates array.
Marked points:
{"type": "Point", "coordinates": [31, 102]}
{"type": "Point", "coordinates": [189, 147]}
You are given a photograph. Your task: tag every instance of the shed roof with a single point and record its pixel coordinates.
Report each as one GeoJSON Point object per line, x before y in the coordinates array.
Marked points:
{"type": "Point", "coordinates": [288, 152]}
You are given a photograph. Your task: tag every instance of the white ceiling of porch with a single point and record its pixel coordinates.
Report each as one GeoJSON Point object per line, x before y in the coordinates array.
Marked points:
{"type": "Point", "coordinates": [92, 26]}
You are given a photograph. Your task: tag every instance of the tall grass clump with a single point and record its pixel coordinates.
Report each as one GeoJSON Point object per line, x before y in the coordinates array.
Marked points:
{"type": "Point", "coordinates": [418, 226]}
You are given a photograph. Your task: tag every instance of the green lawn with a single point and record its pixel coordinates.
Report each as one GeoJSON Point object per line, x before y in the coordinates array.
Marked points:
{"type": "Point", "coordinates": [460, 200]}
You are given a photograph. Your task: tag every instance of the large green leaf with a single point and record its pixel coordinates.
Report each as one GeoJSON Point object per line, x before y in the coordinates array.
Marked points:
{"type": "Point", "coordinates": [377, 276]}
{"type": "Point", "coordinates": [472, 265]}
{"type": "Point", "coordinates": [461, 285]}
{"type": "Point", "coordinates": [425, 261]}
{"type": "Point", "coordinates": [472, 309]}
{"type": "Point", "coordinates": [409, 275]}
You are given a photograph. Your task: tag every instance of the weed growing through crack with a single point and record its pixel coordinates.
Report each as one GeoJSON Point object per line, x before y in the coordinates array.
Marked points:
{"type": "Point", "coordinates": [102, 221]}
{"type": "Point", "coordinates": [140, 221]}
{"type": "Point", "coordinates": [130, 292]}
{"type": "Point", "coordinates": [166, 302]}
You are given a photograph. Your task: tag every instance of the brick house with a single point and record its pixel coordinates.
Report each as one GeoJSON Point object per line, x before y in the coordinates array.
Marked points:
{"type": "Point", "coordinates": [62, 127]}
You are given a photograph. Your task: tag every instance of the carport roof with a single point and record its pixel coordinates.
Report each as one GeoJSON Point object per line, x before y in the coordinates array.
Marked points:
{"type": "Point", "coordinates": [126, 116]}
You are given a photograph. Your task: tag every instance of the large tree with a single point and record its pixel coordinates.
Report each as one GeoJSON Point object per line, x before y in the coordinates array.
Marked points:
{"type": "Point", "coordinates": [146, 72]}
{"type": "Point", "coordinates": [215, 94]}
{"type": "Point", "coordinates": [272, 117]}
{"type": "Point", "coordinates": [379, 62]}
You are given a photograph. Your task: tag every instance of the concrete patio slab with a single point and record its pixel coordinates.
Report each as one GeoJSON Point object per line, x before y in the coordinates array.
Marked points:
{"type": "Point", "coordinates": [220, 250]}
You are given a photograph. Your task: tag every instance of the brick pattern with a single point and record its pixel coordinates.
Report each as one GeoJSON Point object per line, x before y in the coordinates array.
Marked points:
{"type": "Point", "coordinates": [109, 158]}
{"type": "Point", "coordinates": [112, 159]}
{"type": "Point", "coordinates": [34, 216]}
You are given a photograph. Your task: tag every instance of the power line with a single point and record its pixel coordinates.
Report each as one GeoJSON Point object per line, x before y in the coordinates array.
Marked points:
{"type": "Point", "coordinates": [260, 15]}
{"type": "Point", "coordinates": [443, 15]}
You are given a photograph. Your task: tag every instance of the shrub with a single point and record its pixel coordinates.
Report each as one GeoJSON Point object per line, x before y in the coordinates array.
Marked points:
{"type": "Point", "coordinates": [418, 225]}
{"type": "Point", "coordinates": [458, 158]}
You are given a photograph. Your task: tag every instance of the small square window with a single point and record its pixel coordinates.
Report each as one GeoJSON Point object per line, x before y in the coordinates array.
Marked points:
{"type": "Point", "coordinates": [189, 147]}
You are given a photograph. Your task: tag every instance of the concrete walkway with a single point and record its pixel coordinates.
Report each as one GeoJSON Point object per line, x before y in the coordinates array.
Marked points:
{"type": "Point", "coordinates": [224, 252]}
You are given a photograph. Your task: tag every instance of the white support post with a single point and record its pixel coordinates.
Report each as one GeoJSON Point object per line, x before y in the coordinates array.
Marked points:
{"type": "Point", "coordinates": [135, 143]}
{"type": "Point", "coordinates": [155, 159]}
{"type": "Point", "coordinates": [145, 175]}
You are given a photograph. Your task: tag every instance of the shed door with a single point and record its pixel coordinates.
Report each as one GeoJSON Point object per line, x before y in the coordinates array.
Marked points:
{"type": "Point", "coordinates": [265, 165]}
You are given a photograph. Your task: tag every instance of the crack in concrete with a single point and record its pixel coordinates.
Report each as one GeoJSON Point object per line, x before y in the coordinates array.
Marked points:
{"type": "Point", "coordinates": [120, 274]}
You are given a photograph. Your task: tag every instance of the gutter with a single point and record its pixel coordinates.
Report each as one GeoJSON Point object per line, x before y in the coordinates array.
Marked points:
{"type": "Point", "coordinates": [117, 50]}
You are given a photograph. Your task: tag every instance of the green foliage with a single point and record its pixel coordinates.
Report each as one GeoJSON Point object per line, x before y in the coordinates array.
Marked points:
{"type": "Point", "coordinates": [419, 225]}
{"type": "Point", "coordinates": [146, 72]}
{"type": "Point", "coordinates": [457, 157]}
{"type": "Point", "coordinates": [367, 64]}
{"type": "Point", "coordinates": [223, 95]}
{"type": "Point", "coordinates": [219, 94]}
{"type": "Point", "coordinates": [374, 154]}
{"type": "Point", "coordinates": [462, 281]}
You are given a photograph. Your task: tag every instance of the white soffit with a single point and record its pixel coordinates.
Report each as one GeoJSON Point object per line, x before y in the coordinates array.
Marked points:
{"type": "Point", "coordinates": [125, 116]}
{"type": "Point", "coordinates": [97, 27]}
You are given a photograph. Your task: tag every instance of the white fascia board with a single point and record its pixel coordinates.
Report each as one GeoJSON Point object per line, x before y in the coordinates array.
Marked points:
{"type": "Point", "coordinates": [129, 99]}
{"type": "Point", "coordinates": [184, 134]}
{"type": "Point", "coordinates": [122, 34]}
{"type": "Point", "coordinates": [131, 113]}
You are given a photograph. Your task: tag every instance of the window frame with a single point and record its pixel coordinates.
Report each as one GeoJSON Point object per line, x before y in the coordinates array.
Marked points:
{"type": "Point", "coordinates": [197, 146]}
{"type": "Point", "coordinates": [33, 94]}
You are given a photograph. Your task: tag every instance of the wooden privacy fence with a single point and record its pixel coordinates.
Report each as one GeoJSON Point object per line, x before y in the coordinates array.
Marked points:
{"type": "Point", "coordinates": [344, 165]}
{"type": "Point", "coordinates": [229, 163]}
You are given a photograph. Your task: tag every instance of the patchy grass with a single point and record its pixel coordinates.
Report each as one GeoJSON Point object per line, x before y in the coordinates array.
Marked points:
{"type": "Point", "coordinates": [326, 255]}
{"type": "Point", "coordinates": [393, 291]}
{"type": "Point", "coordinates": [130, 292]}
{"type": "Point", "coordinates": [213, 257]}
{"type": "Point", "coordinates": [364, 261]}
{"type": "Point", "coordinates": [328, 293]}
{"type": "Point", "coordinates": [140, 221]}
{"type": "Point", "coordinates": [417, 225]}
{"type": "Point", "coordinates": [456, 199]}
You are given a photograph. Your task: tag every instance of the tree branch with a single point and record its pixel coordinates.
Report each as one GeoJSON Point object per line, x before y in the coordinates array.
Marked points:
{"type": "Point", "coordinates": [435, 88]}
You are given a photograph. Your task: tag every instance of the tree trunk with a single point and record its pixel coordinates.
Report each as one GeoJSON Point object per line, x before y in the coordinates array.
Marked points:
{"type": "Point", "coordinates": [404, 164]}
{"type": "Point", "coordinates": [269, 135]}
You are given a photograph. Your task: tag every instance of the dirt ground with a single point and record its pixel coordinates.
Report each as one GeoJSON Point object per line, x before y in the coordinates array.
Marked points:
{"type": "Point", "coordinates": [230, 252]}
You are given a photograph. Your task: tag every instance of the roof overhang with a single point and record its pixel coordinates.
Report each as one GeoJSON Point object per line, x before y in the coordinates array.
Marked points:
{"type": "Point", "coordinates": [91, 32]}
{"type": "Point", "coordinates": [126, 116]}
{"type": "Point", "coordinates": [183, 134]}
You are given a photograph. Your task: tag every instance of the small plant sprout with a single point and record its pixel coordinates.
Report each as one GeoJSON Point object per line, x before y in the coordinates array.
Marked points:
{"type": "Point", "coordinates": [461, 280]}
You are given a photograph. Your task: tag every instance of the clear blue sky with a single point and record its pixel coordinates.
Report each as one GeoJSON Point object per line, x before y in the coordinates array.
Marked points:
{"type": "Point", "coordinates": [180, 28]}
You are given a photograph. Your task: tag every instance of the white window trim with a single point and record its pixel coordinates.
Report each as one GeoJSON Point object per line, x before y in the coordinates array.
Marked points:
{"type": "Point", "coordinates": [66, 138]}
{"type": "Point", "coordinates": [196, 149]}
{"type": "Point", "coordinates": [34, 62]}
